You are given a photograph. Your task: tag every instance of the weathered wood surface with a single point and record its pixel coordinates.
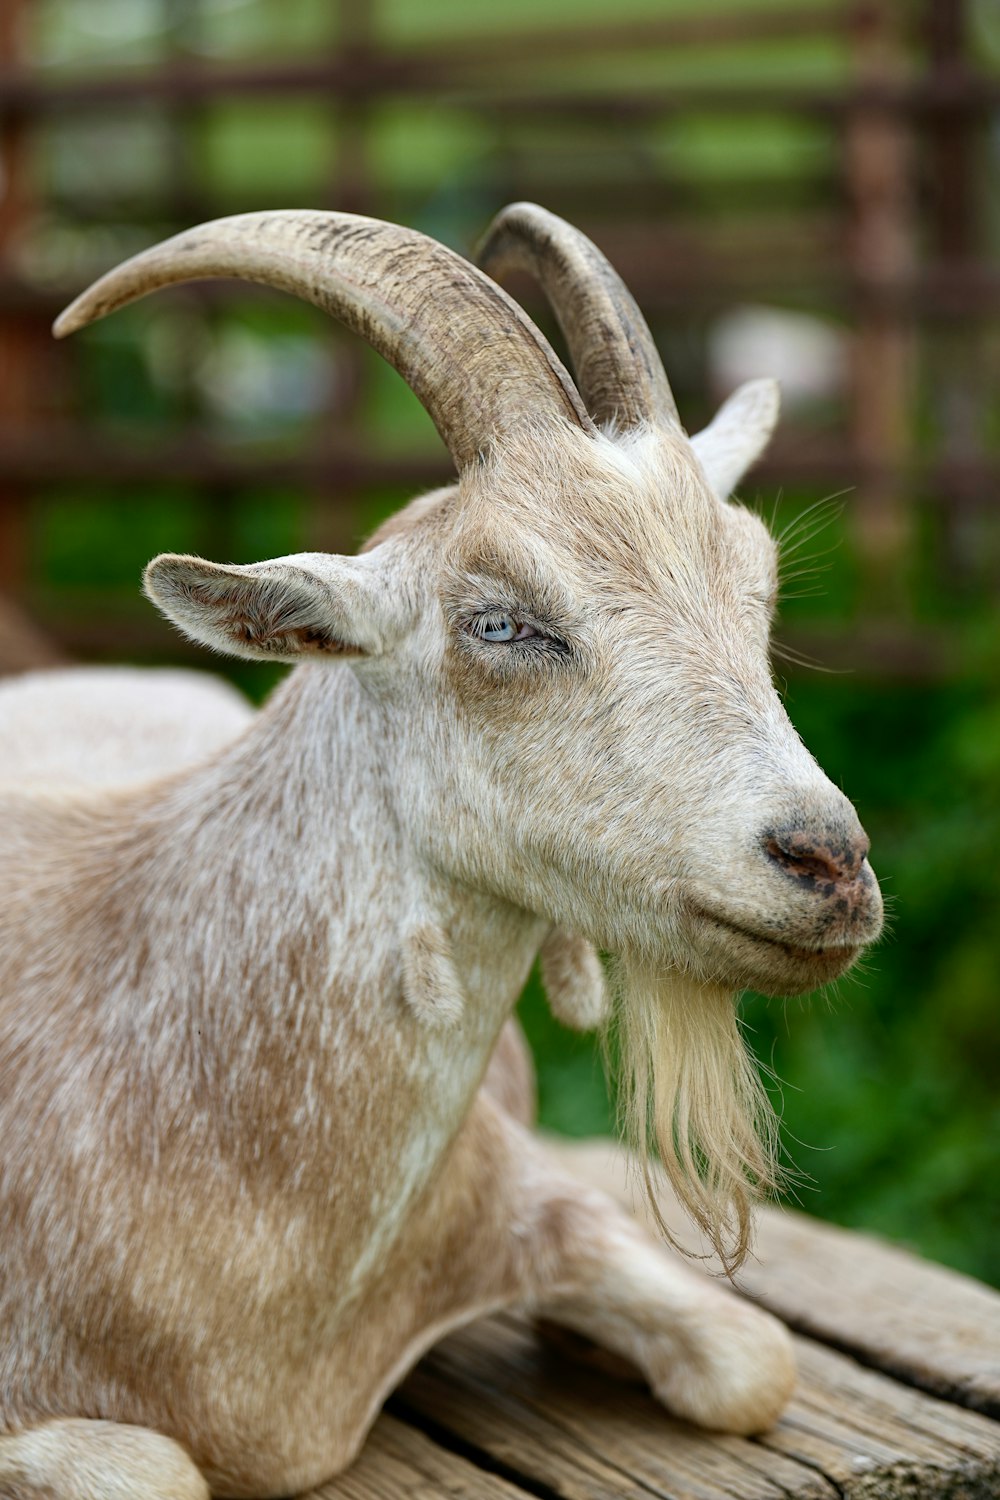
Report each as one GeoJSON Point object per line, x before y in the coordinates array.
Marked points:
{"type": "Point", "coordinates": [931, 1327]}
{"type": "Point", "coordinates": [400, 1463]}
{"type": "Point", "coordinates": [501, 1412]}
{"type": "Point", "coordinates": [498, 1412]}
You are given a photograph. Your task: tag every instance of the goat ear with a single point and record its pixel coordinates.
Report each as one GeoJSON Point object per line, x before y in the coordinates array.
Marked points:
{"type": "Point", "coordinates": [738, 434]}
{"type": "Point", "coordinates": [312, 604]}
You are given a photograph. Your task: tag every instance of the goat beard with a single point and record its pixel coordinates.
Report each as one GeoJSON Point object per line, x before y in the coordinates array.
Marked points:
{"type": "Point", "coordinates": [690, 1094]}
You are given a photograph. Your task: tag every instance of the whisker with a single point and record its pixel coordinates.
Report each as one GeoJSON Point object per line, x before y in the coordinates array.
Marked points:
{"type": "Point", "coordinates": [783, 652]}
{"type": "Point", "coordinates": [814, 593]}
{"type": "Point", "coordinates": [792, 547]}
{"type": "Point", "coordinates": [808, 567]}
{"type": "Point", "coordinates": [820, 512]}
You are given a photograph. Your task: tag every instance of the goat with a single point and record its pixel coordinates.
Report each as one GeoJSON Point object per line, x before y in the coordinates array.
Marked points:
{"type": "Point", "coordinates": [265, 1120]}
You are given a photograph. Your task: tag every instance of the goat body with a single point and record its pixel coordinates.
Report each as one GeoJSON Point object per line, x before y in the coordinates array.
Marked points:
{"type": "Point", "coordinates": [265, 1119]}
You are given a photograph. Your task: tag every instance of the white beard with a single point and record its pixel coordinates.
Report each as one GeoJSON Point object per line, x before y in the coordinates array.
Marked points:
{"type": "Point", "coordinates": [690, 1094]}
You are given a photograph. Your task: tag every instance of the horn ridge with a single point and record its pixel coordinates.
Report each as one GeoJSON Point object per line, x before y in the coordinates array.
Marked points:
{"type": "Point", "coordinates": [619, 373]}
{"type": "Point", "coordinates": [469, 352]}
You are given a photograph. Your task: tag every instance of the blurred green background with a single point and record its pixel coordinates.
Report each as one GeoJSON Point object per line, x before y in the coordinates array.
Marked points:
{"type": "Point", "coordinates": [775, 213]}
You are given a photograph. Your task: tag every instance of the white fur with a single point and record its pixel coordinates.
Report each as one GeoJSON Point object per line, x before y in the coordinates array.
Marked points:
{"type": "Point", "coordinates": [738, 434]}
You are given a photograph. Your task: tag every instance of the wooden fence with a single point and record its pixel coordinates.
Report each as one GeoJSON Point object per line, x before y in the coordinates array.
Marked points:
{"type": "Point", "coordinates": [884, 228]}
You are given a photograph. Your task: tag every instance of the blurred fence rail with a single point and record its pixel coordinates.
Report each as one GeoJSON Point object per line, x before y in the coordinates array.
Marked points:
{"type": "Point", "coordinates": [877, 225]}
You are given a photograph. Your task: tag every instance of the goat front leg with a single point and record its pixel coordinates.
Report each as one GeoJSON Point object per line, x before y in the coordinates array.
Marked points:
{"type": "Point", "coordinates": [707, 1354]}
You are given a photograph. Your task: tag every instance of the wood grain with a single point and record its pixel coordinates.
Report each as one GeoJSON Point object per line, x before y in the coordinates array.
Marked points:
{"type": "Point", "coordinates": [929, 1326]}
{"type": "Point", "coordinates": [563, 1428]}
{"type": "Point", "coordinates": [400, 1463]}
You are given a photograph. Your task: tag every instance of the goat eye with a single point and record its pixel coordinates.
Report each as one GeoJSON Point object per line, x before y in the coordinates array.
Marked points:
{"type": "Point", "coordinates": [502, 628]}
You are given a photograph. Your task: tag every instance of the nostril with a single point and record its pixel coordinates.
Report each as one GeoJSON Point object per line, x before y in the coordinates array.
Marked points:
{"type": "Point", "coordinates": [809, 864]}
{"type": "Point", "coordinates": [827, 858]}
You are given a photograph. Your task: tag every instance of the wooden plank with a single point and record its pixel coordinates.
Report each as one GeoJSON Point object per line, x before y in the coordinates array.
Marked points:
{"type": "Point", "coordinates": [497, 1389]}
{"type": "Point", "coordinates": [421, 69]}
{"type": "Point", "coordinates": [25, 92]}
{"type": "Point", "coordinates": [66, 454]}
{"type": "Point", "coordinates": [932, 293]}
{"type": "Point", "coordinates": [873, 1436]}
{"type": "Point", "coordinates": [927, 1325]}
{"type": "Point", "coordinates": [923, 1323]}
{"type": "Point", "coordinates": [878, 162]}
{"type": "Point", "coordinates": [580, 1433]}
{"type": "Point", "coordinates": [400, 1463]}
{"type": "Point", "coordinates": [19, 342]}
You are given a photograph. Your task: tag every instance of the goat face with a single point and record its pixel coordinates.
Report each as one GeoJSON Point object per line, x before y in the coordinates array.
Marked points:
{"type": "Point", "coordinates": [598, 737]}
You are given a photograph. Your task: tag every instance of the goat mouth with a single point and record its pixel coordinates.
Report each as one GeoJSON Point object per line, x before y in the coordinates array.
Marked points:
{"type": "Point", "coordinates": [818, 957]}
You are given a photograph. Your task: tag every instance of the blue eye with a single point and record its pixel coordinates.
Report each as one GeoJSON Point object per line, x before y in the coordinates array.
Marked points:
{"type": "Point", "coordinates": [500, 628]}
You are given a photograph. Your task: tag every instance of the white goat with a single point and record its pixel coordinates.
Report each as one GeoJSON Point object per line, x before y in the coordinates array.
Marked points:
{"type": "Point", "coordinates": [256, 1157]}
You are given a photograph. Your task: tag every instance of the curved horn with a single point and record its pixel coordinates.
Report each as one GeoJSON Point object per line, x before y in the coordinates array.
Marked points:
{"type": "Point", "coordinates": [471, 355]}
{"type": "Point", "coordinates": [618, 370]}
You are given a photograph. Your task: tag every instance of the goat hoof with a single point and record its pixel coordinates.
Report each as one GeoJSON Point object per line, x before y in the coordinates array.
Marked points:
{"type": "Point", "coordinates": [736, 1377]}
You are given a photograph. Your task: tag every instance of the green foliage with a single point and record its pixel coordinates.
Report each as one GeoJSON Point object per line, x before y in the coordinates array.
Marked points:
{"type": "Point", "coordinates": [895, 1097]}
{"type": "Point", "coordinates": [282, 145]}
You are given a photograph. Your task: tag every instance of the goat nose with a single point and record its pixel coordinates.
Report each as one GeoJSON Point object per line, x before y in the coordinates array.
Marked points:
{"type": "Point", "coordinates": [821, 857]}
